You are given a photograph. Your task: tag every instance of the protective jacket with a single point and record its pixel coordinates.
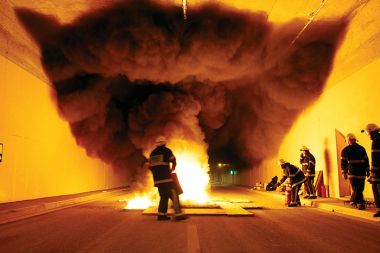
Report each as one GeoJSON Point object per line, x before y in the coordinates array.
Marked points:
{"type": "Point", "coordinates": [375, 154]}
{"type": "Point", "coordinates": [308, 164]}
{"type": "Point", "coordinates": [294, 174]}
{"type": "Point", "coordinates": [159, 163]}
{"type": "Point", "coordinates": [354, 161]}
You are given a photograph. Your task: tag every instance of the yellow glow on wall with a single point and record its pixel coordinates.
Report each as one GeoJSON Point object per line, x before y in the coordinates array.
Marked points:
{"type": "Point", "coordinates": [348, 112]}
{"type": "Point", "coordinates": [350, 101]}
{"type": "Point", "coordinates": [42, 158]}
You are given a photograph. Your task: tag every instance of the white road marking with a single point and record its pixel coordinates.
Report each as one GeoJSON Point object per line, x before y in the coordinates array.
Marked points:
{"type": "Point", "coordinates": [192, 239]}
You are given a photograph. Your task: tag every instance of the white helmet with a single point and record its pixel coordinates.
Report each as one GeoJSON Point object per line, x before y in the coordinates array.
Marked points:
{"type": "Point", "coordinates": [350, 136]}
{"type": "Point", "coordinates": [304, 148]}
{"type": "Point", "coordinates": [371, 127]}
{"type": "Point", "coordinates": [160, 140]}
{"type": "Point", "coordinates": [281, 162]}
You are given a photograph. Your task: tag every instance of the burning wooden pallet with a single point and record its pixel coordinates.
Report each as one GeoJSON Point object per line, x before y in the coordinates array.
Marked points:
{"type": "Point", "coordinates": [219, 208]}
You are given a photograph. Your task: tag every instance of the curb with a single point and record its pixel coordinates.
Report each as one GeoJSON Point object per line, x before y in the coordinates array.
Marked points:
{"type": "Point", "coordinates": [330, 207]}
{"type": "Point", "coordinates": [345, 210]}
{"type": "Point", "coordinates": [10, 215]}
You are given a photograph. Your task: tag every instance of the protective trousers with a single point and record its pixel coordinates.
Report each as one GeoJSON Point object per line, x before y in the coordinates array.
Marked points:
{"type": "Point", "coordinates": [376, 193]}
{"type": "Point", "coordinates": [167, 191]}
{"type": "Point", "coordinates": [357, 186]}
{"type": "Point", "coordinates": [309, 186]}
{"type": "Point", "coordinates": [294, 198]}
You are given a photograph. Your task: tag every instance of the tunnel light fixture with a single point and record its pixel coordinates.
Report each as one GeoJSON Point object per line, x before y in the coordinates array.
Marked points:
{"type": "Point", "coordinates": [221, 165]}
{"type": "Point", "coordinates": [1, 151]}
{"type": "Point", "coordinates": [184, 9]}
{"type": "Point", "coordinates": [312, 15]}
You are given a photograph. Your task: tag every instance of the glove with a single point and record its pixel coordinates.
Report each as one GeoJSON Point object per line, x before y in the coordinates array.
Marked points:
{"type": "Point", "coordinates": [278, 184]}
{"type": "Point", "coordinates": [345, 176]}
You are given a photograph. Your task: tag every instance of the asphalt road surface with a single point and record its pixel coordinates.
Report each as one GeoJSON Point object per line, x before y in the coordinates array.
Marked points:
{"type": "Point", "coordinates": [103, 226]}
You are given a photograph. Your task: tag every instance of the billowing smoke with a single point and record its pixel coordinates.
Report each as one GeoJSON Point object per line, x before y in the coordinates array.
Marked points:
{"type": "Point", "coordinates": [229, 78]}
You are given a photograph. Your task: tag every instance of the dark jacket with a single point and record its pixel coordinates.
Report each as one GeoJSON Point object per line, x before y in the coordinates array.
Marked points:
{"type": "Point", "coordinates": [159, 164]}
{"type": "Point", "coordinates": [354, 161]}
{"type": "Point", "coordinates": [294, 174]}
{"type": "Point", "coordinates": [308, 164]}
{"type": "Point", "coordinates": [375, 155]}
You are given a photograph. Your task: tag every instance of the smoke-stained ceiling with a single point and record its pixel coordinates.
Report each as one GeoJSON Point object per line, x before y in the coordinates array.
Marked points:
{"type": "Point", "coordinates": [235, 75]}
{"type": "Point", "coordinates": [17, 46]}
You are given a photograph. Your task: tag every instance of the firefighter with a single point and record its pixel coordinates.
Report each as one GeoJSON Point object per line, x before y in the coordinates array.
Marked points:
{"type": "Point", "coordinates": [355, 166]}
{"type": "Point", "coordinates": [162, 162]}
{"type": "Point", "coordinates": [296, 179]}
{"type": "Point", "coordinates": [374, 132]}
{"type": "Point", "coordinates": [307, 161]}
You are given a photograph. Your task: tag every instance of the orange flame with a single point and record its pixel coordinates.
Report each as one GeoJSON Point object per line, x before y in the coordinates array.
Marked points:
{"type": "Point", "coordinates": [142, 201]}
{"type": "Point", "coordinates": [192, 171]}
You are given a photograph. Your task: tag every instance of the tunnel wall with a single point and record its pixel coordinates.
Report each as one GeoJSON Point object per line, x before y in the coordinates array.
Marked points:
{"type": "Point", "coordinates": [350, 100]}
{"type": "Point", "coordinates": [40, 157]}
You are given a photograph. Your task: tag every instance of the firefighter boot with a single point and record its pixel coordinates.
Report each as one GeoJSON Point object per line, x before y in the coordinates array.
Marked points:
{"type": "Point", "coordinates": [377, 214]}
{"type": "Point", "coordinates": [312, 197]}
{"type": "Point", "coordinates": [361, 206]}
{"type": "Point", "coordinates": [292, 205]}
{"type": "Point", "coordinates": [163, 217]}
{"type": "Point", "coordinates": [181, 217]}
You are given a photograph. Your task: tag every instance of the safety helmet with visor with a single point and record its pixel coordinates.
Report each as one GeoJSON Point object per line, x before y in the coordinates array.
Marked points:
{"type": "Point", "coordinates": [350, 138]}
{"type": "Point", "coordinates": [282, 163]}
{"type": "Point", "coordinates": [371, 127]}
{"type": "Point", "coordinates": [161, 140]}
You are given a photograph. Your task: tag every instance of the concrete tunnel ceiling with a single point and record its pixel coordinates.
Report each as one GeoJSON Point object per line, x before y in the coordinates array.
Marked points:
{"type": "Point", "coordinates": [127, 71]}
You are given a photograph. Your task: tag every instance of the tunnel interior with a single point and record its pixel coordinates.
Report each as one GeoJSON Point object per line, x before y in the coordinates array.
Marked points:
{"type": "Point", "coordinates": [227, 76]}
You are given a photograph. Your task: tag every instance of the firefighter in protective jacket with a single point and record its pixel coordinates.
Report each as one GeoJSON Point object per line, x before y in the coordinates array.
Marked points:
{"type": "Point", "coordinates": [355, 166]}
{"type": "Point", "coordinates": [307, 161]}
{"type": "Point", "coordinates": [374, 132]}
{"type": "Point", "coordinates": [161, 163]}
{"type": "Point", "coordinates": [296, 177]}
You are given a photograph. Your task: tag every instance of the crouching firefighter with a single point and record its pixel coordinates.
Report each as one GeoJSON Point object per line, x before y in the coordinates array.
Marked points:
{"type": "Point", "coordinates": [355, 166]}
{"type": "Point", "coordinates": [162, 162]}
{"type": "Point", "coordinates": [296, 178]}
{"type": "Point", "coordinates": [307, 161]}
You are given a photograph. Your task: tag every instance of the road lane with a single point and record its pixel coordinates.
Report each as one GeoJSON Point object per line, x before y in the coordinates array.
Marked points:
{"type": "Point", "coordinates": [103, 226]}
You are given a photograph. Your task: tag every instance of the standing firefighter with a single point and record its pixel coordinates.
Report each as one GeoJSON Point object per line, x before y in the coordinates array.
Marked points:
{"type": "Point", "coordinates": [296, 178]}
{"type": "Point", "coordinates": [374, 132]}
{"type": "Point", "coordinates": [307, 161]}
{"type": "Point", "coordinates": [354, 164]}
{"type": "Point", "coordinates": [159, 162]}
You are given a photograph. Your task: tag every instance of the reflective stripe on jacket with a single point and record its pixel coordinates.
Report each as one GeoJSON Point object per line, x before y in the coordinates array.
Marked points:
{"type": "Point", "coordinates": [308, 164]}
{"type": "Point", "coordinates": [159, 164]}
{"type": "Point", "coordinates": [375, 158]}
{"type": "Point", "coordinates": [354, 161]}
{"type": "Point", "coordinates": [294, 174]}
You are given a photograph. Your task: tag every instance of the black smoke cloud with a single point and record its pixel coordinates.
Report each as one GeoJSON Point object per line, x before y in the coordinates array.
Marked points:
{"type": "Point", "coordinates": [128, 73]}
